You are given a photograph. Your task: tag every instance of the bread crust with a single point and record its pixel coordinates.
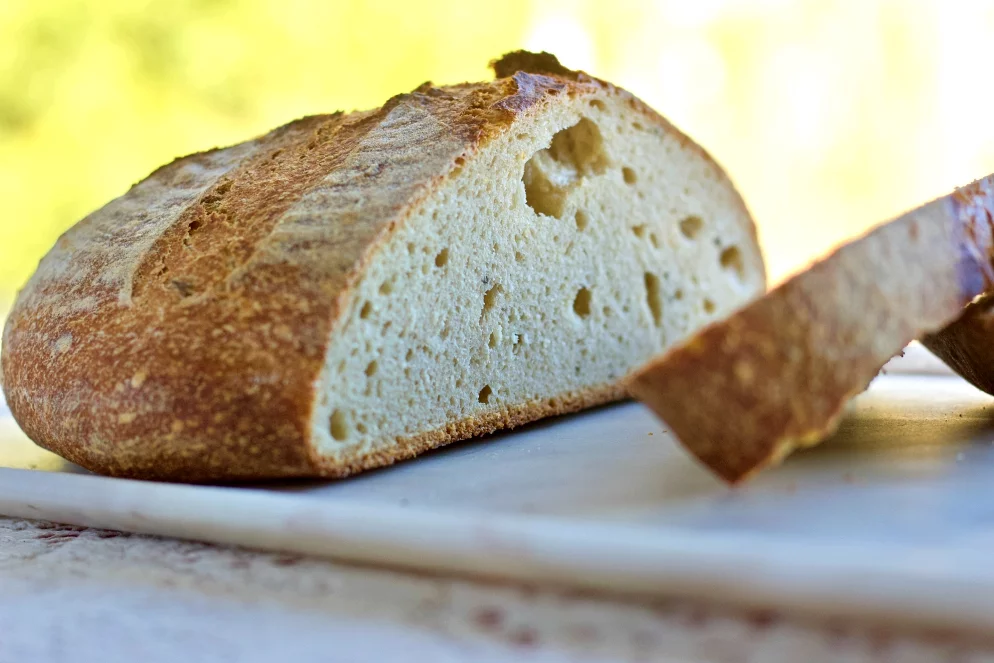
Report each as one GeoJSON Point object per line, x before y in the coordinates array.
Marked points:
{"type": "Point", "coordinates": [965, 345]}
{"type": "Point", "coordinates": [159, 339]}
{"type": "Point", "coordinates": [776, 375]}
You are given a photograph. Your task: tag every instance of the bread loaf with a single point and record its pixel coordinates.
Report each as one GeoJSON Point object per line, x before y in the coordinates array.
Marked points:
{"type": "Point", "coordinates": [776, 374]}
{"type": "Point", "coordinates": [353, 289]}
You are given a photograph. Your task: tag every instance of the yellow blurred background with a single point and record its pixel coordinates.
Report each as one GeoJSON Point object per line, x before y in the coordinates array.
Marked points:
{"type": "Point", "coordinates": [830, 115]}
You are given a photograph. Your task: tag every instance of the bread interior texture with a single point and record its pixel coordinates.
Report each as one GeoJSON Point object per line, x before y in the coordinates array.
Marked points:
{"type": "Point", "coordinates": [569, 249]}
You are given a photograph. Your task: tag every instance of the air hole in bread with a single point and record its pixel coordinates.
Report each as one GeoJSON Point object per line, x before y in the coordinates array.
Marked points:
{"type": "Point", "coordinates": [386, 287]}
{"type": "Point", "coordinates": [731, 259]}
{"type": "Point", "coordinates": [691, 226]}
{"type": "Point", "coordinates": [540, 193]}
{"type": "Point", "coordinates": [597, 103]}
{"type": "Point", "coordinates": [550, 174]}
{"type": "Point", "coordinates": [490, 297]}
{"type": "Point", "coordinates": [485, 393]}
{"type": "Point", "coordinates": [367, 308]}
{"type": "Point", "coordinates": [494, 340]}
{"type": "Point", "coordinates": [519, 256]}
{"type": "Point", "coordinates": [637, 126]}
{"type": "Point", "coordinates": [582, 221]}
{"type": "Point", "coordinates": [678, 295]}
{"type": "Point", "coordinates": [654, 240]}
{"type": "Point", "coordinates": [581, 303]}
{"type": "Point", "coordinates": [361, 427]}
{"type": "Point", "coordinates": [708, 306]}
{"type": "Point", "coordinates": [639, 231]}
{"type": "Point", "coordinates": [371, 368]}
{"type": "Point", "coordinates": [580, 148]}
{"type": "Point", "coordinates": [339, 425]}
{"type": "Point", "coordinates": [654, 298]}
{"type": "Point", "coordinates": [629, 175]}
{"type": "Point", "coordinates": [442, 258]}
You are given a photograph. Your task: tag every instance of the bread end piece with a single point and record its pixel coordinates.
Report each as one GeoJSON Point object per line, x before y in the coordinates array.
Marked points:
{"type": "Point", "coordinates": [776, 375]}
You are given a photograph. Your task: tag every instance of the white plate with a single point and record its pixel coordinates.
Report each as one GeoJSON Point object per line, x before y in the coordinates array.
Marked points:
{"type": "Point", "coordinates": [892, 518]}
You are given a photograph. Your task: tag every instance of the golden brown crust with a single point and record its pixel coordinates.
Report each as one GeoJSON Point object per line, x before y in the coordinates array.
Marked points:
{"type": "Point", "coordinates": [178, 332]}
{"type": "Point", "coordinates": [531, 63]}
{"type": "Point", "coordinates": [775, 375]}
{"type": "Point", "coordinates": [404, 448]}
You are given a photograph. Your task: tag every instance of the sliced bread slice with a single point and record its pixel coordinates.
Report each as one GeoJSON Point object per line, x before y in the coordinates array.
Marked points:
{"type": "Point", "coordinates": [353, 289]}
{"type": "Point", "coordinates": [776, 375]}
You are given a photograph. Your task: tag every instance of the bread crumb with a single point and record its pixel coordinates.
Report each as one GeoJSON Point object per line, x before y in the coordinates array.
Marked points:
{"type": "Point", "coordinates": [126, 417]}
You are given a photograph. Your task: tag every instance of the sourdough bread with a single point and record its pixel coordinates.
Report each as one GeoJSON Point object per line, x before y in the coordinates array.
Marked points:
{"type": "Point", "coordinates": [352, 289]}
{"type": "Point", "coordinates": [775, 375]}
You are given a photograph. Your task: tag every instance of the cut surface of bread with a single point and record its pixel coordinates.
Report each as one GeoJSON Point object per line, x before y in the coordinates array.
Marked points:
{"type": "Point", "coordinates": [350, 290]}
{"type": "Point", "coordinates": [775, 375]}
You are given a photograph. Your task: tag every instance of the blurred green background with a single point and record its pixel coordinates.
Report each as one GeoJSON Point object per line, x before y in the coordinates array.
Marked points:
{"type": "Point", "coordinates": [829, 115]}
